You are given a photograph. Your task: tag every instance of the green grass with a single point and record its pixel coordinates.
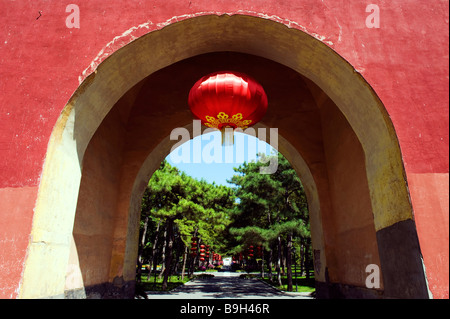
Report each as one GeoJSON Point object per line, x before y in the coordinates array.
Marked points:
{"type": "Point", "coordinates": [304, 284]}
{"type": "Point", "coordinates": [150, 285]}
{"type": "Point", "coordinates": [211, 270]}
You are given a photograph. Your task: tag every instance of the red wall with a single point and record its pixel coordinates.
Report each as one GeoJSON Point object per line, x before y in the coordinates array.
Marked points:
{"type": "Point", "coordinates": [42, 62]}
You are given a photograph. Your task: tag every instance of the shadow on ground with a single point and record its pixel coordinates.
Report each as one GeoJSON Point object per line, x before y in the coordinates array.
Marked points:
{"type": "Point", "coordinates": [226, 286]}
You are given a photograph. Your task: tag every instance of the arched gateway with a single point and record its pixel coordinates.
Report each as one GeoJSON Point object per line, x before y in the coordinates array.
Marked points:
{"type": "Point", "coordinates": [114, 132]}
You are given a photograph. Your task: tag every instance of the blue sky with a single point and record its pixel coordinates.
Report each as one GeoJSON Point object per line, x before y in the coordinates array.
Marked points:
{"type": "Point", "coordinates": [215, 162]}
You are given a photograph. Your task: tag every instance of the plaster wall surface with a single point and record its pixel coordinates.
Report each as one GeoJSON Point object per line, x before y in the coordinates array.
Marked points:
{"type": "Point", "coordinates": [352, 218]}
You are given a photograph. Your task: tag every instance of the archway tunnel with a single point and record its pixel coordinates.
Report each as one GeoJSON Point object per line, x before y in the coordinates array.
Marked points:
{"type": "Point", "coordinates": [332, 128]}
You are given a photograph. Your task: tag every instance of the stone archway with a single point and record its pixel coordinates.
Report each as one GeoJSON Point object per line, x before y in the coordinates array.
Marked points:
{"type": "Point", "coordinates": [363, 219]}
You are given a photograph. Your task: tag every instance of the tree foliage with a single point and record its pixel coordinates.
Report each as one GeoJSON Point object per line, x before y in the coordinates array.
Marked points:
{"type": "Point", "coordinates": [272, 211]}
{"type": "Point", "coordinates": [183, 206]}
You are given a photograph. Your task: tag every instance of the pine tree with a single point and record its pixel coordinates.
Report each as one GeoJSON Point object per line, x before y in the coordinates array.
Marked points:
{"type": "Point", "coordinates": [184, 206]}
{"type": "Point", "coordinates": [272, 211]}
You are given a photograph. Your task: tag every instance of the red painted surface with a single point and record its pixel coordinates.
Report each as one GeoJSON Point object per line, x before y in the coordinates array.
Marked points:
{"type": "Point", "coordinates": [431, 200]}
{"type": "Point", "coordinates": [42, 62]}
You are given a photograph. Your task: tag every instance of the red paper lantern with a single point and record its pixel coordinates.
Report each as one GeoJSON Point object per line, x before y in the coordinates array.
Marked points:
{"type": "Point", "coordinates": [228, 99]}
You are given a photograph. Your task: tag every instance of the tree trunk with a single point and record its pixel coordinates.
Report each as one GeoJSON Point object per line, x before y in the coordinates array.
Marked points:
{"type": "Point", "coordinates": [178, 253]}
{"type": "Point", "coordinates": [262, 263]}
{"type": "Point", "coordinates": [185, 256]}
{"type": "Point", "coordinates": [307, 258]}
{"type": "Point", "coordinates": [163, 253]}
{"type": "Point", "coordinates": [279, 262]}
{"type": "Point", "coordinates": [270, 263]}
{"type": "Point", "coordinates": [302, 256]}
{"type": "Point", "coordinates": [154, 251]}
{"type": "Point", "coordinates": [289, 261]}
{"type": "Point", "coordinates": [141, 250]}
{"type": "Point", "coordinates": [168, 254]}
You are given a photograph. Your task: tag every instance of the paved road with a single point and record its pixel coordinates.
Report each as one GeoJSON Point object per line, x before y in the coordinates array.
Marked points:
{"type": "Point", "coordinates": [226, 285]}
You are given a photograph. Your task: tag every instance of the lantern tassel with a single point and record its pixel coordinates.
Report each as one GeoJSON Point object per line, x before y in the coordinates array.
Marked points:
{"type": "Point", "coordinates": [227, 136]}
